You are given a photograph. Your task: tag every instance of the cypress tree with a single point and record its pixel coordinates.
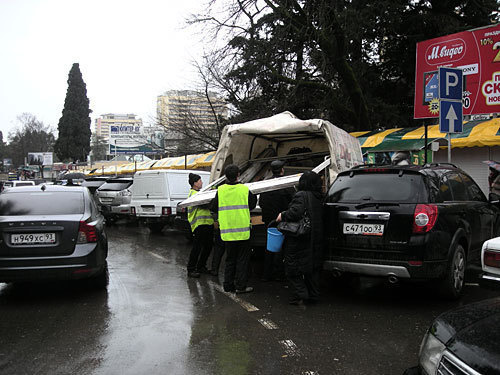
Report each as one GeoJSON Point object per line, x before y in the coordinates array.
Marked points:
{"type": "Point", "coordinates": [74, 125]}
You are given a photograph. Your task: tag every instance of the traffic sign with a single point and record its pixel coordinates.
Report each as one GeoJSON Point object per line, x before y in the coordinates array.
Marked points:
{"type": "Point", "coordinates": [450, 83]}
{"type": "Point", "coordinates": [450, 116]}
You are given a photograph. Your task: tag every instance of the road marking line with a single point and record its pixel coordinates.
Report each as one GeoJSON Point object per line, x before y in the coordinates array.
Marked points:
{"type": "Point", "coordinates": [290, 348]}
{"type": "Point", "coordinates": [158, 256]}
{"type": "Point", "coordinates": [471, 284]}
{"type": "Point", "coordinates": [246, 305]}
{"type": "Point", "coordinates": [310, 373]}
{"type": "Point", "coordinates": [268, 323]}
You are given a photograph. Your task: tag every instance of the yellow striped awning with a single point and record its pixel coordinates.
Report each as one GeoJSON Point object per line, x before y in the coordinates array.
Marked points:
{"type": "Point", "coordinates": [205, 160]}
{"type": "Point", "coordinates": [478, 133]}
{"type": "Point", "coordinates": [164, 163]}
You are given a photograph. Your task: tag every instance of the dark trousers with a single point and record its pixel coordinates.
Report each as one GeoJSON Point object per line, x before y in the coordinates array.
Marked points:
{"type": "Point", "coordinates": [305, 286]}
{"type": "Point", "coordinates": [202, 247]}
{"type": "Point", "coordinates": [273, 264]}
{"type": "Point", "coordinates": [237, 260]}
{"type": "Point", "coordinates": [219, 249]}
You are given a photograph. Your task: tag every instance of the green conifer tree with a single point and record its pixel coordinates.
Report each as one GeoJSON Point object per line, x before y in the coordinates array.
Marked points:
{"type": "Point", "coordinates": [74, 125]}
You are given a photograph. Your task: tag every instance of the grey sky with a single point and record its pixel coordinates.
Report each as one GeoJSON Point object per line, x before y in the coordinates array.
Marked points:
{"type": "Point", "coordinates": [129, 52]}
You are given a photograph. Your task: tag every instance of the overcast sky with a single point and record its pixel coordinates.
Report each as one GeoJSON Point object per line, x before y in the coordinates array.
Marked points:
{"type": "Point", "coordinates": [129, 52]}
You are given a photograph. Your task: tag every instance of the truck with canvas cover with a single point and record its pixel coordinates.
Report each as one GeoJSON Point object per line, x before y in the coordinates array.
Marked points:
{"type": "Point", "coordinates": [303, 145]}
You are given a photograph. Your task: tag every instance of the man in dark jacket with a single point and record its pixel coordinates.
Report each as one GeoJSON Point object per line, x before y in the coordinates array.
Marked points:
{"type": "Point", "coordinates": [233, 202]}
{"type": "Point", "coordinates": [272, 203]}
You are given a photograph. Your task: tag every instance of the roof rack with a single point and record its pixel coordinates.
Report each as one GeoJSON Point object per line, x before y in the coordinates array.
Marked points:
{"type": "Point", "coordinates": [440, 164]}
{"type": "Point", "coordinates": [371, 166]}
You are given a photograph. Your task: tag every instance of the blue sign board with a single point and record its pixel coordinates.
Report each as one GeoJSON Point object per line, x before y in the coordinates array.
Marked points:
{"type": "Point", "coordinates": [450, 83]}
{"type": "Point", "coordinates": [450, 100]}
{"type": "Point", "coordinates": [450, 116]}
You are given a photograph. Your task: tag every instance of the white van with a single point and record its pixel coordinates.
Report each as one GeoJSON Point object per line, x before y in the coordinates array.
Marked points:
{"type": "Point", "coordinates": [156, 193]}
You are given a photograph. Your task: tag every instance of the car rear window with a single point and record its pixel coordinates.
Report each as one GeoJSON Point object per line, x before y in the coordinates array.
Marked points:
{"type": "Point", "coordinates": [378, 187]}
{"type": "Point", "coordinates": [115, 185]}
{"type": "Point", "coordinates": [41, 203]}
{"type": "Point", "coordinates": [93, 183]}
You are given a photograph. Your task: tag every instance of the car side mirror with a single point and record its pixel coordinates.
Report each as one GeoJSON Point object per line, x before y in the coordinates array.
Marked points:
{"type": "Point", "coordinates": [494, 198]}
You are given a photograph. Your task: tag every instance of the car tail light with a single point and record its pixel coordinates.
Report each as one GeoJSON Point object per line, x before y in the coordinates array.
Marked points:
{"type": "Point", "coordinates": [415, 262]}
{"type": "Point", "coordinates": [425, 217]}
{"type": "Point", "coordinates": [492, 259]}
{"type": "Point", "coordinates": [86, 233]}
{"type": "Point", "coordinates": [132, 211]}
{"type": "Point", "coordinates": [166, 211]}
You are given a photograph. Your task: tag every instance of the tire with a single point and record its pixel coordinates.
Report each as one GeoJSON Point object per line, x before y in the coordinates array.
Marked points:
{"type": "Point", "coordinates": [156, 227]}
{"type": "Point", "coordinates": [101, 280]}
{"type": "Point", "coordinates": [453, 284]}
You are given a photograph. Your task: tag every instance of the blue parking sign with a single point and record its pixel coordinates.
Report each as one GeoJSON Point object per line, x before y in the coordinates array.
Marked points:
{"type": "Point", "coordinates": [450, 116]}
{"type": "Point", "coordinates": [450, 83]}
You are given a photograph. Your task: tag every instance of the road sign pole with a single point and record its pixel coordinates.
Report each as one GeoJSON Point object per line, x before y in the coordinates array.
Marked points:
{"type": "Point", "coordinates": [426, 140]}
{"type": "Point", "coordinates": [450, 102]}
{"type": "Point", "coordinates": [449, 147]}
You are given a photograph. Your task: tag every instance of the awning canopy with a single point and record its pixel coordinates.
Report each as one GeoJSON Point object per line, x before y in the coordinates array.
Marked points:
{"type": "Point", "coordinates": [479, 133]}
{"type": "Point", "coordinates": [205, 160]}
{"type": "Point", "coordinates": [406, 144]}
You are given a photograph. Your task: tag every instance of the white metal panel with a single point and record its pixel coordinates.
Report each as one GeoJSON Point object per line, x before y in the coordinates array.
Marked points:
{"type": "Point", "coordinates": [469, 159]}
{"type": "Point", "coordinates": [205, 195]}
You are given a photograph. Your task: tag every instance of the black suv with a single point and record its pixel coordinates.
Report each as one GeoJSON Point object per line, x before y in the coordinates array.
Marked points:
{"type": "Point", "coordinates": [418, 222]}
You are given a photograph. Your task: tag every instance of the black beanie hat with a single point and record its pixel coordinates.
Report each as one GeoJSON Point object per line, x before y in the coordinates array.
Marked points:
{"type": "Point", "coordinates": [193, 177]}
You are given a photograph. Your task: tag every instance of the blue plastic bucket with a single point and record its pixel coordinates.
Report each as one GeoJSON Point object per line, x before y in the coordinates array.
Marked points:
{"type": "Point", "coordinates": [274, 240]}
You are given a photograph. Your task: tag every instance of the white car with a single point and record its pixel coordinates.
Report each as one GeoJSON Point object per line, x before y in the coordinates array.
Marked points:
{"type": "Point", "coordinates": [17, 183]}
{"type": "Point", "coordinates": [490, 261]}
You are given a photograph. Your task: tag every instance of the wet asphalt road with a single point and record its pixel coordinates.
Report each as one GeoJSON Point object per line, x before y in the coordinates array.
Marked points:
{"type": "Point", "coordinates": [154, 320]}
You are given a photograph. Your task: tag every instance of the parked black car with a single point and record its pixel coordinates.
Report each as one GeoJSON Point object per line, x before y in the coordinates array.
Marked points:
{"type": "Point", "coordinates": [408, 222]}
{"type": "Point", "coordinates": [463, 341]}
{"type": "Point", "coordinates": [51, 232]}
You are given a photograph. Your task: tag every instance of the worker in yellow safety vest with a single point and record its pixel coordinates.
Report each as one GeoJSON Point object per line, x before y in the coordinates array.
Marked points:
{"type": "Point", "coordinates": [233, 203]}
{"type": "Point", "coordinates": [202, 227]}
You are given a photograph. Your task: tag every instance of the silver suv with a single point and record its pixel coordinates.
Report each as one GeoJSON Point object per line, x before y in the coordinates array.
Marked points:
{"type": "Point", "coordinates": [114, 197]}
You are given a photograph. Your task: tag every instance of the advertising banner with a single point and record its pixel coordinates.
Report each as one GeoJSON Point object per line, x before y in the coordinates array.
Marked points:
{"type": "Point", "coordinates": [131, 139]}
{"type": "Point", "coordinates": [40, 158]}
{"type": "Point", "coordinates": [477, 53]}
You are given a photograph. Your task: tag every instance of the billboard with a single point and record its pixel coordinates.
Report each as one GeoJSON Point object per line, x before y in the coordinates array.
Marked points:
{"type": "Point", "coordinates": [40, 158]}
{"type": "Point", "coordinates": [477, 53]}
{"type": "Point", "coordinates": [132, 139]}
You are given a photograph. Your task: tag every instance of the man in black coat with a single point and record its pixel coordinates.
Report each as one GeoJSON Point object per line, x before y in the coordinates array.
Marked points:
{"type": "Point", "coordinates": [272, 203]}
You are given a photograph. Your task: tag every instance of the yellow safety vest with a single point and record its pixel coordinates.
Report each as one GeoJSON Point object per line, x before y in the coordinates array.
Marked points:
{"type": "Point", "coordinates": [198, 215]}
{"type": "Point", "coordinates": [234, 214]}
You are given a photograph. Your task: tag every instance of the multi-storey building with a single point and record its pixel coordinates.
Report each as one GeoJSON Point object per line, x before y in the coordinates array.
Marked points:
{"type": "Point", "coordinates": [178, 108]}
{"type": "Point", "coordinates": [103, 123]}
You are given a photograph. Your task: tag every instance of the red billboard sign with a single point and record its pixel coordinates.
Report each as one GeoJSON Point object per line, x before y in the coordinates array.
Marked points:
{"type": "Point", "coordinates": [477, 53]}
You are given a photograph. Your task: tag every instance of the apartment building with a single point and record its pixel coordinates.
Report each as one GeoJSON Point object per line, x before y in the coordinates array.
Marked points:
{"type": "Point", "coordinates": [178, 108]}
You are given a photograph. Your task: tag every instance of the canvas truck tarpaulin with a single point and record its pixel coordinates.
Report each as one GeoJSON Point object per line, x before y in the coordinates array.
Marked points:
{"type": "Point", "coordinates": [301, 144]}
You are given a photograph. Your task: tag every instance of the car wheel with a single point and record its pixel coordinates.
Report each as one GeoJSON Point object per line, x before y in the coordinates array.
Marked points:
{"type": "Point", "coordinates": [453, 283]}
{"type": "Point", "coordinates": [156, 228]}
{"type": "Point", "coordinates": [101, 280]}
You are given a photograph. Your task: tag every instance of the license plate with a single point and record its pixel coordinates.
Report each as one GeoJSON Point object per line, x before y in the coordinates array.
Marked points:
{"type": "Point", "coordinates": [148, 209]}
{"type": "Point", "coordinates": [364, 229]}
{"type": "Point", "coordinates": [32, 238]}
